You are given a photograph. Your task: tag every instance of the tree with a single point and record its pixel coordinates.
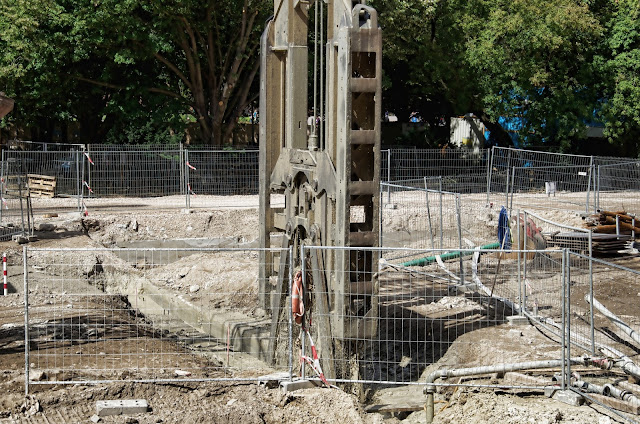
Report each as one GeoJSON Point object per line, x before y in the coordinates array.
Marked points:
{"type": "Point", "coordinates": [97, 61]}
{"type": "Point", "coordinates": [498, 58]}
{"type": "Point", "coordinates": [619, 69]}
{"type": "Point", "coordinates": [534, 60]}
{"type": "Point", "coordinates": [210, 51]}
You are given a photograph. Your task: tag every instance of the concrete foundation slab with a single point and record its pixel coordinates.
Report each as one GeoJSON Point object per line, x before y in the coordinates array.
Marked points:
{"type": "Point", "coordinates": [118, 407]}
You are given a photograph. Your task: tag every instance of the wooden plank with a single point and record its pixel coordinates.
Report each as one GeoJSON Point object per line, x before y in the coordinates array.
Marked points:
{"type": "Point", "coordinates": [395, 407]}
{"type": "Point", "coordinates": [41, 193]}
{"type": "Point", "coordinates": [614, 403]}
{"type": "Point", "coordinates": [41, 177]}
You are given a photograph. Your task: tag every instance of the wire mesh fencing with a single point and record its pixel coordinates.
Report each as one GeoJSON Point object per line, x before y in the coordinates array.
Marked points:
{"type": "Point", "coordinates": [100, 315]}
{"type": "Point", "coordinates": [134, 173]}
{"type": "Point", "coordinates": [419, 218]}
{"type": "Point", "coordinates": [617, 187]}
{"type": "Point", "coordinates": [502, 173]}
{"type": "Point", "coordinates": [603, 305]}
{"type": "Point", "coordinates": [510, 177]}
{"type": "Point", "coordinates": [16, 212]}
{"type": "Point", "coordinates": [551, 187]}
{"type": "Point", "coordinates": [408, 164]}
{"type": "Point", "coordinates": [64, 166]}
{"type": "Point", "coordinates": [601, 321]}
{"type": "Point", "coordinates": [416, 311]}
{"type": "Point", "coordinates": [220, 173]}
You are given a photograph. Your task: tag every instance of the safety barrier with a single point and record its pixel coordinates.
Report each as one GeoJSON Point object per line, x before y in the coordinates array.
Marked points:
{"type": "Point", "coordinates": [507, 177]}
{"type": "Point", "coordinates": [101, 315]}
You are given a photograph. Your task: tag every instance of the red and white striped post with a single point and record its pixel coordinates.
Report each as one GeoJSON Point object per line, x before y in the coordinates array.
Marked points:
{"type": "Point", "coordinates": [4, 273]}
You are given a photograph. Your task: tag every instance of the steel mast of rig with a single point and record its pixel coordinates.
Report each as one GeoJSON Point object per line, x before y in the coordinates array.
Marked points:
{"type": "Point", "coordinates": [329, 171]}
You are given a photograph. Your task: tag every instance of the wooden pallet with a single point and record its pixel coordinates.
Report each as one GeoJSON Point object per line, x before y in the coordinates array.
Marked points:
{"type": "Point", "coordinates": [41, 185]}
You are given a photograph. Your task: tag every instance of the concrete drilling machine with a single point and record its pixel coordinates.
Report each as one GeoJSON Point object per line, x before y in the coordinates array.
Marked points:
{"type": "Point", "coordinates": [327, 168]}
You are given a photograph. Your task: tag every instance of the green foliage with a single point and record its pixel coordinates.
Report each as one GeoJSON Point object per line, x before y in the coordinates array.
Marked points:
{"type": "Point", "coordinates": [145, 70]}
{"type": "Point", "coordinates": [559, 64]}
{"type": "Point", "coordinates": [620, 69]}
{"type": "Point", "coordinates": [112, 64]}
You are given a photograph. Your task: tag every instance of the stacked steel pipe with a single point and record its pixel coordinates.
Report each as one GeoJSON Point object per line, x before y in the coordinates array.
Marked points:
{"type": "Point", "coordinates": [617, 223]}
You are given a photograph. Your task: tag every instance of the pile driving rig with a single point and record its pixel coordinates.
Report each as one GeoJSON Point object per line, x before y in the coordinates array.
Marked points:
{"type": "Point", "coordinates": [328, 171]}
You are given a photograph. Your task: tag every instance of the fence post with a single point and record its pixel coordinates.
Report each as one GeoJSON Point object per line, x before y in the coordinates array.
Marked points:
{"type": "Point", "coordinates": [182, 167]}
{"type": "Point", "coordinates": [303, 265]}
{"type": "Point", "coordinates": [289, 308]}
{"type": "Point", "coordinates": [82, 176]}
{"type": "Point", "coordinates": [520, 281]}
{"type": "Point", "coordinates": [388, 175]}
{"type": "Point", "coordinates": [568, 311]}
{"type": "Point", "coordinates": [597, 189]}
{"type": "Point", "coordinates": [506, 191]}
{"type": "Point", "coordinates": [526, 249]}
{"type": "Point", "coordinates": [489, 171]}
{"type": "Point", "coordinates": [591, 324]}
{"type": "Point", "coordinates": [564, 317]}
{"type": "Point", "coordinates": [441, 218]}
{"type": "Point", "coordinates": [513, 180]}
{"type": "Point", "coordinates": [26, 320]}
{"type": "Point", "coordinates": [426, 193]}
{"type": "Point", "coordinates": [2, 184]}
{"type": "Point", "coordinates": [458, 217]}
{"type": "Point", "coordinates": [586, 206]}
{"type": "Point", "coordinates": [187, 184]}
{"type": "Point", "coordinates": [78, 182]}
{"type": "Point", "coordinates": [87, 148]}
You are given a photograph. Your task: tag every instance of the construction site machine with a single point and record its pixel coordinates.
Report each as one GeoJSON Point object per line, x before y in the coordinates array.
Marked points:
{"type": "Point", "coordinates": [320, 153]}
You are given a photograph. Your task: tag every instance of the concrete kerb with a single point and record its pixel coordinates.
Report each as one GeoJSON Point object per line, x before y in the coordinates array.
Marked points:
{"type": "Point", "coordinates": [245, 334]}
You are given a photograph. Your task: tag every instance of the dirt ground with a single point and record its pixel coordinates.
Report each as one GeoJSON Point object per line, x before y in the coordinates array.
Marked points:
{"type": "Point", "coordinates": [118, 222]}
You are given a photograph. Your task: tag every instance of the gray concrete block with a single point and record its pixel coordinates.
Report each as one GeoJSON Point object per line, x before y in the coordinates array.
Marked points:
{"type": "Point", "coordinates": [272, 380]}
{"type": "Point", "coordinates": [118, 407]}
{"type": "Point", "coordinates": [564, 396]}
{"type": "Point", "coordinates": [20, 239]}
{"type": "Point", "coordinates": [518, 320]}
{"type": "Point", "coordinates": [292, 386]}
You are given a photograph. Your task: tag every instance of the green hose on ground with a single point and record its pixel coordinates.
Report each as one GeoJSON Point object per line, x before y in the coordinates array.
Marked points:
{"type": "Point", "coordinates": [450, 255]}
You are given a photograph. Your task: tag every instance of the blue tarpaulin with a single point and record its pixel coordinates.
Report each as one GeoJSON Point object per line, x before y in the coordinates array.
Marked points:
{"type": "Point", "coordinates": [504, 232]}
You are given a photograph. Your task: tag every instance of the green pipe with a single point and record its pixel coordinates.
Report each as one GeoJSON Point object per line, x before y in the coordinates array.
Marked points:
{"type": "Point", "coordinates": [447, 256]}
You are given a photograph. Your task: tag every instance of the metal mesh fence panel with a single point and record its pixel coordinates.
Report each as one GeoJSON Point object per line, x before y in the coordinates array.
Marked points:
{"type": "Point", "coordinates": [424, 218]}
{"type": "Point", "coordinates": [551, 187]}
{"type": "Point", "coordinates": [134, 173]}
{"type": "Point", "coordinates": [608, 294]}
{"type": "Point", "coordinates": [418, 311]}
{"type": "Point", "coordinates": [16, 213]}
{"type": "Point", "coordinates": [64, 166]}
{"type": "Point", "coordinates": [503, 160]}
{"type": "Point", "coordinates": [618, 187]}
{"type": "Point", "coordinates": [405, 164]}
{"type": "Point", "coordinates": [542, 296]}
{"type": "Point", "coordinates": [228, 172]}
{"type": "Point", "coordinates": [602, 320]}
{"type": "Point", "coordinates": [98, 315]}
{"type": "Point", "coordinates": [419, 218]}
